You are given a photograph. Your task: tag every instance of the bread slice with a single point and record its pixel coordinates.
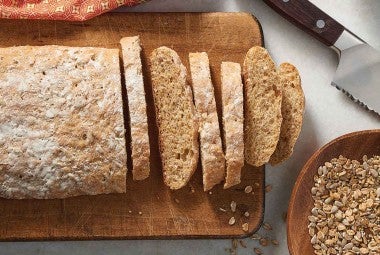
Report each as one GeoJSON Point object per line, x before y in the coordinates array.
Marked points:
{"type": "Point", "coordinates": [292, 108]}
{"type": "Point", "coordinates": [233, 121]}
{"type": "Point", "coordinates": [137, 106]}
{"type": "Point", "coordinates": [61, 122]}
{"type": "Point", "coordinates": [176, 119]}
{"type": "Point", "coordinates": [262, 106]}
{"type": "Point", "coordinates": [212, 157]}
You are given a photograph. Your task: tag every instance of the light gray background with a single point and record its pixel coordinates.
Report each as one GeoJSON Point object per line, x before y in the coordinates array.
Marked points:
{"type": "Point", "coordinates": [328, 114]}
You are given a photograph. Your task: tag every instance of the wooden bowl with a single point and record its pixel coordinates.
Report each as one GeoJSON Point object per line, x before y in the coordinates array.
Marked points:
{"type": "Point", "coordinates": [353, 146]}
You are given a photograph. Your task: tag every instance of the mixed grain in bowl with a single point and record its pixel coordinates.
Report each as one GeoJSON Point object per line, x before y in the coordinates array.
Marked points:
{"type": "Point", "coordinates": [345, 218]}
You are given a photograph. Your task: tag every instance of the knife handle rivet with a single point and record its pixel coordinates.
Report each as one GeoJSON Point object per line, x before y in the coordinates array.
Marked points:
{"type": "Point", "coordinates": [321, 23]}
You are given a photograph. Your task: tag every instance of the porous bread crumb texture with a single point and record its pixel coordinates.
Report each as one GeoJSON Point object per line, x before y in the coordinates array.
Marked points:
{"type": "Point", "coordinates": [61, 122]}
{"type": "Point", "coordinates": [233, 121]}
{"type": "Point", "coordinates": [262, 106]}
{"type": "Point", "coordinates": [292, 108]}
{"type": "Point", "coordinates": [176, 120]}
{"type": "Point", "coordinates": [137, 106]}
{"type": "Point", "coordinates": [212, 156]}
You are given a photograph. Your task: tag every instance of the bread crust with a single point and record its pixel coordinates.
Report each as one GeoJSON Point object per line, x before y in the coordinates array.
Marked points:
{"type": "Point", "coordinates": [263, 95]}
{"type": "Point", "coordinates": [61, 122]}
{"type": "Point", "coordinates": [137, 107]}
{"type": "Point", "coordinates": [292, 109]}
{"type": "Point", "coordinates": [212, 156]}
{"type": "Point", "coordinates": [233, 121]}
{"type": "Point", "coordinates": [178, 135]}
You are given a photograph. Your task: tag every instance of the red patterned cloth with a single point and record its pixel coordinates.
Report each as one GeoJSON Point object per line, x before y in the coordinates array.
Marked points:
{"type": "Point", "coordinates": [73, 10]}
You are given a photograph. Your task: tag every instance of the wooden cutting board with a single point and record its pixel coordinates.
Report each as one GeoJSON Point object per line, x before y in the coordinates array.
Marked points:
{"type": "Point", "coordinates": [148, 209]}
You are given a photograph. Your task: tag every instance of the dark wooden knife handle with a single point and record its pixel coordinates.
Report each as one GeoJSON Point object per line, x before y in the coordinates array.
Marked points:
{"type": "Point", "coordinates": [309, 18]}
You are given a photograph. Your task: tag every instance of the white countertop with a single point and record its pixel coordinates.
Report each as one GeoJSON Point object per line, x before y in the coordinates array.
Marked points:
{"type": "Point", "coordinates": [328, 115]}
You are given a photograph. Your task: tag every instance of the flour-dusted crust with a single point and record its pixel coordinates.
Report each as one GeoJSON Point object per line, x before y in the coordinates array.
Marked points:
{"type": "Point", "coordinates": [292, 108]}
{"type": "Point", "coordinates": [233, 121]}
{"type": "Point", "coordinates": [61, 122]}
{"type": "Point", "coordinates": [137, 106]}
{"type": "Point", "coordinates": [262, 106]}
{"type": "Point", "coordinates": [212, 157]}
{"type": "Point", "coordinates": [176, 118]}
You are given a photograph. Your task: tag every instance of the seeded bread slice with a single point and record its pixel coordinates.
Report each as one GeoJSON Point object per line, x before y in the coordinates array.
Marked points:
{"type": "Point", "coordinates": [262, 106]}
{"type": "Point", "coordinates": [176, 119]}
{"type": "Point", "coordinates": [137, 106]}
{"type": "Point", "coordinates": [212, 157]}
{"type": "Point", "coordinates": [233, 121]}
{"type": "Point", "coordinates": [293, 105]}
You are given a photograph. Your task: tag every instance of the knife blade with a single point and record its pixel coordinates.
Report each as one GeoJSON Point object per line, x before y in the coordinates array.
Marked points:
{"type": "Point", "coordinates": [358, 71]}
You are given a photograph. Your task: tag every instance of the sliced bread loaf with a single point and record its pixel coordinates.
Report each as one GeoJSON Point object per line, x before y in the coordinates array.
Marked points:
{"type": "Point", "coordinates": [212, 157]}
{"type": "Point", "coordinates": [293, 104]}
{"type": "Point", "coordinates": [262, 106]}
{"type": "Point", "coordinates": [233, 121]}
{"type": "Point", "coordinates": [176, 119]}
{"type": "Point", "coordinates": [137, 106]}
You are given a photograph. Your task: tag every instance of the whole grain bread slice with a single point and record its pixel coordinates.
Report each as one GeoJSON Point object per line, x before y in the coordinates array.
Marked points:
{"type": "Point", "coordinates": [212, 157]}
{"type": "Point", "coordinates": [233, 121]}
{"type": "Point", "coordinates": [176, 118]}
{"type": "Point", "coordinates": [137, 106]}
{"type": "Point", "coordinates": [262, 106]}
{"type": "Point", "coordinates": [292, 108]}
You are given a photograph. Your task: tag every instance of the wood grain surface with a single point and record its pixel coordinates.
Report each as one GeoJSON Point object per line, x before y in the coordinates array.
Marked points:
{"type": "Point", "coordinates": [352, 146]}
{"type": "Point", "coordinates": [164, 213]}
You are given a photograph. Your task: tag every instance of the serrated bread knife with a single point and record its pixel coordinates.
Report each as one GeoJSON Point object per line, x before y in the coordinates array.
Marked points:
{"type": "Point", "coordinates": [358, 72]}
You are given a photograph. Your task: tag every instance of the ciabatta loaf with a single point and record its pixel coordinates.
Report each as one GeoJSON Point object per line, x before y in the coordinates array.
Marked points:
{"type": "Point", "coordinates": [293, 105]}
{"type": "Point", "coordinates": [176, 119]}
{"type": "Point", "coordinates": [212, 157]}
{"type": "Point", "coordinates": [137, 106]}
{"type": "Point", "coordinates": [61, 122]}
{"type": "Point", "coordinates": [233, 121]}
{"type": "Point", "coordinates": [262, 106]}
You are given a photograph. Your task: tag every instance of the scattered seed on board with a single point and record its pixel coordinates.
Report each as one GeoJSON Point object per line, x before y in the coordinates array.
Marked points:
{"type": "Point", "coordinates": [130, 211]}
{"type": "Point", "coordinates": [257, 184]}
{"type": "Point", "coordinates": [210, 192]}
{"type": "Point", "coordinates": [232, 221]}
{"type": "Point", "coordinates": [246, 214]}
{"type": "Point", "coordinates": [233, 206]}
{"type": "Point", "coordinates": [248, 189]}
{"type": "Point", "coordinates": [245, 227]}
{"type": "Point", "coordinates": [176, 200]}
{"type": "Point", "coordinates": [222, 209]}
{"type": "Point", "coordinates": [257, 251]}
{"type": "Point", "coordinates": [140, 213]}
